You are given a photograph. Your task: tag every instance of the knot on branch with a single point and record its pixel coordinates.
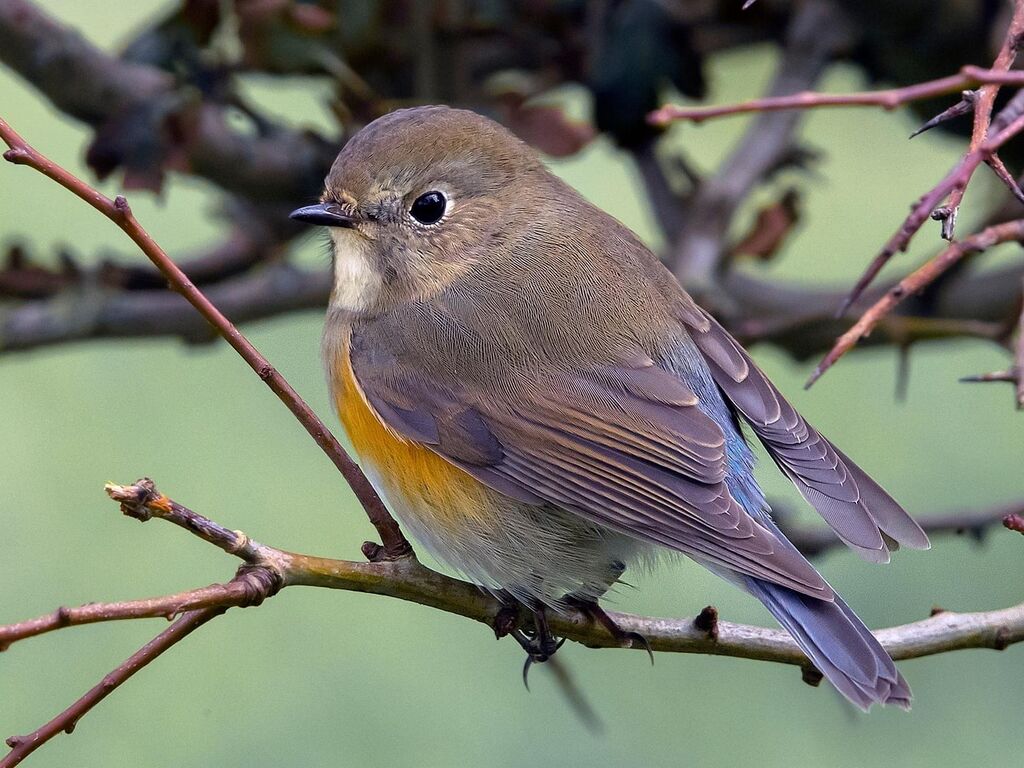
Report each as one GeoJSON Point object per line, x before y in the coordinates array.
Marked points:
{"type": "Point", "coordinates": [811, 676]}
{"type": "Point", "coordinates": [260, 582]}
{"type": "Point", "coordinates": [140, 500]}
{"type": "Point", "coordinates": [398, 549]}
{"type": "Point", "coordinates": [707, 621]}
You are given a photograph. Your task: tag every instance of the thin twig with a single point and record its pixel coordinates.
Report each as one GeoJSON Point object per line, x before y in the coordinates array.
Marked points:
{"type": "Point", "coordinates": [968, 77]}
{"type": "Point", "coordinates": [233, 593]}
{"type": "Point", "coordinates": [23, 746]}
{"type": "Point", "coordinates": [914, 283]}
{"type": "Point", "coordinates": [926, 206]}
{"type": "Point", "coordinates": [1003, 174]}
{"type": "Point", "coordinates": [21, 153]}
{"type": "Point", "coordinates": [983, 104]}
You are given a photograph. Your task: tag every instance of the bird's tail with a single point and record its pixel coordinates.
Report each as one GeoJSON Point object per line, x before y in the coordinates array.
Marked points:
{"type": "Point", "coordinates": [838, 643]}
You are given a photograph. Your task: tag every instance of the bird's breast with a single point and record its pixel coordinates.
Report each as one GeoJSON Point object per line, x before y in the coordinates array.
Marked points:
{"type": "Point", "coordinates": [422, 488]}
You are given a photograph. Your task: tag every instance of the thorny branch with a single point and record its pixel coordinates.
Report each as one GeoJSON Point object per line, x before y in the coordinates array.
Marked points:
{"type": "Point", "coordinates": [914, 283]}
{"type": "Point", "coordinates": [268, 570]}
{"type": "Point", "coordinates": [957, 178]}
{"type": "Point", "coordinates": [983, 104]}
{"type": "Point", "coordinates": [987, 137]}
{"type": "Point", "coordinates": [888, 99]}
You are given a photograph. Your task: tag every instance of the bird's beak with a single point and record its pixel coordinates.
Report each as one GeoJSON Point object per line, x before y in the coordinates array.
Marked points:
{"type": "Point", "coordinates": [325, 214]}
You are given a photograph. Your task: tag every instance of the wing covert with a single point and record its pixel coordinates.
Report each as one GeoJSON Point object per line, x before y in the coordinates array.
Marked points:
{"type": "Point", "coordinates": [621, 445]}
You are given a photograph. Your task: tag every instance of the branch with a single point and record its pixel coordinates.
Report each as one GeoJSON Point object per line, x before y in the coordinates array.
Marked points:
{"type": "Point", "coordinates": [1015, 374]}
{"type": "Point", "coordinates": [243, 248]}
{"type": "Point", "coordinates": [889, 99]}
{"type": "Point", "coordinates": [233, 593]}
{"type": "Point", "coordinates": [268, 570]}
{"type": "Point", "coordinates": [409, 580]}
{"type": "Point", "coordinates": [814, 35]}
{"type": "Point", "coordinates": [97, 313]}
{"type": "Point", "coordinates": [23, 746]}
{"type": "Point", "coordinates": [102, 90]}
{"type": "Point", "coordinates": [983, 104]}
{"type": "Point", "coordinates": [914, 283]}
{"type": "Point", "coordinates": [117, 210]}
{"type": "Point", "coordinates": [793, 317]}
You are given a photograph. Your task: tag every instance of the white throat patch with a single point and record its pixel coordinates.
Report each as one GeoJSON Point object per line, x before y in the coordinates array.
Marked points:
{"type": "Point", "coordinates": [356, 283]}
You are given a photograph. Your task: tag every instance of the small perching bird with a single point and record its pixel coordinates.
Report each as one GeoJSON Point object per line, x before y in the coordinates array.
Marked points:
{"type": "Point", "coordinates": [542, 404]}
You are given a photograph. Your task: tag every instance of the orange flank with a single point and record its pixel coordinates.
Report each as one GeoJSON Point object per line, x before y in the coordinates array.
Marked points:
{"type": "Point", "coordinates": [413, 477]}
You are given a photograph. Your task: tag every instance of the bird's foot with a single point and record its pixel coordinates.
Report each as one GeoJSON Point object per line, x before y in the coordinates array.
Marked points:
{"type": "Point", "coordinates": [596, 613]}
{"type": "Point", "coordinates": [539, 643]}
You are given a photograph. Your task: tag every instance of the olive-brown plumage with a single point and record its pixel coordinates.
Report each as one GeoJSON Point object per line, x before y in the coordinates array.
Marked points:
{"type": "Point", "coordinates": [541, 402]}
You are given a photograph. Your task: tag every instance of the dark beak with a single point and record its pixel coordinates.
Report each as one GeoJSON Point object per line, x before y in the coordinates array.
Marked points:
{"type": "Point", "coordinates": [324, 214]}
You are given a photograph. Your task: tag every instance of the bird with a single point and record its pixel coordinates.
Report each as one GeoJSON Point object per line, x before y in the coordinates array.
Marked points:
{"type": "Point", "coordinates": [542, 405]}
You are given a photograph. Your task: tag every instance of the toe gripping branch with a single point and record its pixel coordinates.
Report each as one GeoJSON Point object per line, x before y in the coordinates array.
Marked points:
{"type": "Point", "coordinates": [540, 643]}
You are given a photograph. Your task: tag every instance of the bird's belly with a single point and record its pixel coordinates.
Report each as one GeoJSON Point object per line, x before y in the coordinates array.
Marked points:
{"type": "Point", "coordinates": [534, 552]}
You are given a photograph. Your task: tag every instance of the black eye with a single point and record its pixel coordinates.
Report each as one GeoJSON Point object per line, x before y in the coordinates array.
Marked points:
{"type": "Point", "coordinates": [428, 208]}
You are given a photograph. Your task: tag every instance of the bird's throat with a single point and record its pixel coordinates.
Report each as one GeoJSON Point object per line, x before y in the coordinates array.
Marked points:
{"type": "Point", "coordinates": [357, 282]}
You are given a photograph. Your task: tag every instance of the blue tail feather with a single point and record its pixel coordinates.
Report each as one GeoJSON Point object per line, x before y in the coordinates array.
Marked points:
{"type": "Point", "coordinates": [836, 640]}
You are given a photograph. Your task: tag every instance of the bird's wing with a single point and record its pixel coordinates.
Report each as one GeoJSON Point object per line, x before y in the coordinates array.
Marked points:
{"type": "Point", "coordinates": [622, 445]}
{"type": "Point", "coordinates": [858, 509]}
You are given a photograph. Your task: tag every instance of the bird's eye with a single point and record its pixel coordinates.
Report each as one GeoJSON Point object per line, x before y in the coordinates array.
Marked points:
{"type": "Point", "coordinates": [429, 208]}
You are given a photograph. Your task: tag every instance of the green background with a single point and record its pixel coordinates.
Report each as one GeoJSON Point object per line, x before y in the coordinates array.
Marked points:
{"type": "Point", "coordinates": [319, 678]}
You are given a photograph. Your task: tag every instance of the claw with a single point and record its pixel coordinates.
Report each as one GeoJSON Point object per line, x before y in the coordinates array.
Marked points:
{"type": "Point", "coordinates": [596, 613]}
{"type": "Point", "coordinates": [539, 648]}
{"type": "Point", "coordinates": [635, 638]}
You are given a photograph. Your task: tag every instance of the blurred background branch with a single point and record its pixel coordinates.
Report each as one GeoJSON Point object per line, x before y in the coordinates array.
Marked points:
{"type": "Point", "coordinates": [171, 102]}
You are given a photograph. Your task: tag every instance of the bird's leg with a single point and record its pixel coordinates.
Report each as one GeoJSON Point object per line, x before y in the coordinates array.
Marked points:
{"type": "Point", "coordinates": [592, 610]}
